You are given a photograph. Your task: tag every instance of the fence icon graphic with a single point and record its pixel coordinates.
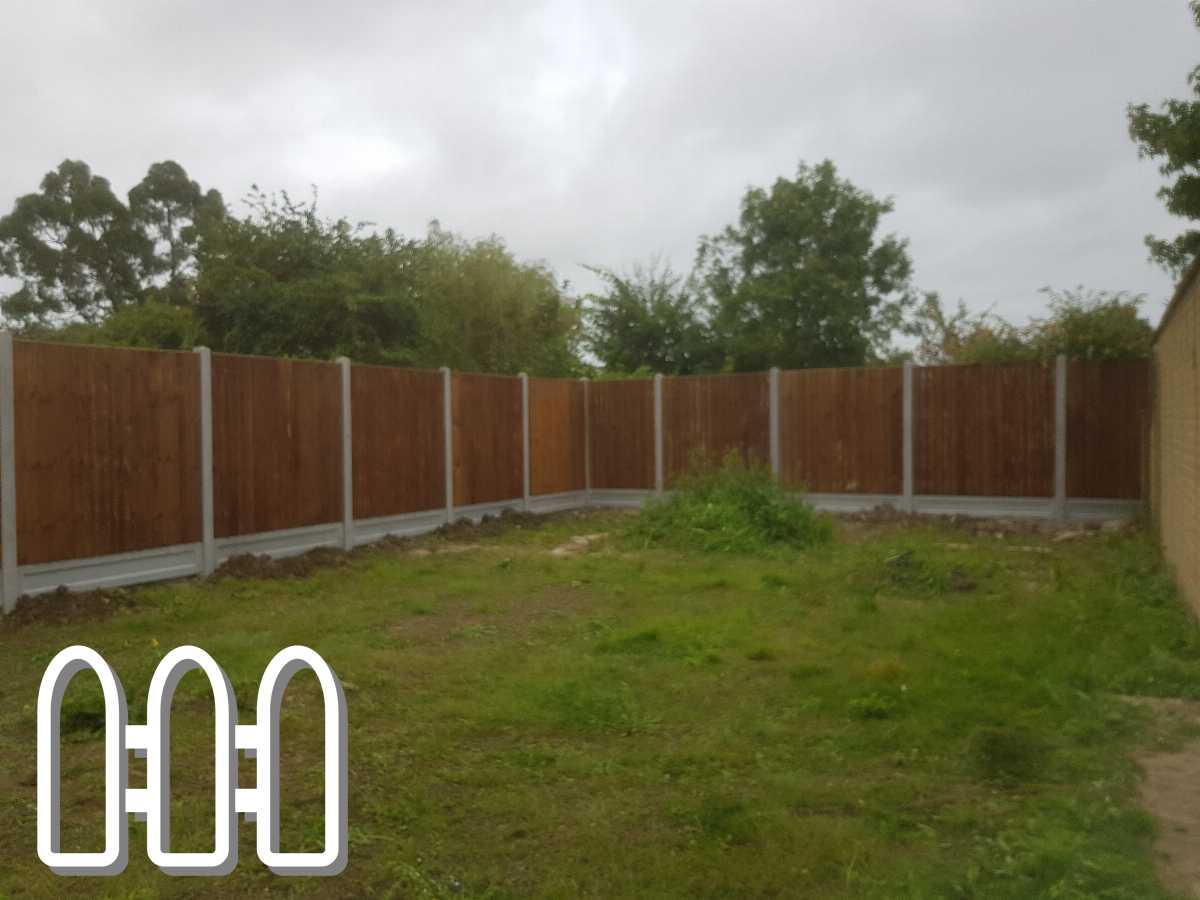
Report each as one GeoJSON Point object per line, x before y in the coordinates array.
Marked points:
{"type": "Point", "coordinates": [261, 740]}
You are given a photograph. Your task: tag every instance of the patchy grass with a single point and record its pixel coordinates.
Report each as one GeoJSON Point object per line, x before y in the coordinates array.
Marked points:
{"type": "Point", "coordinates": [915, 713]}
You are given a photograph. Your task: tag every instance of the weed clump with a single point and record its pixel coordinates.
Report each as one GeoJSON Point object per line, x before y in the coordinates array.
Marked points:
{"type": "Point", "coordinates": [1009, 754]}
{"type": "Point", "coordinates": [730, 507]}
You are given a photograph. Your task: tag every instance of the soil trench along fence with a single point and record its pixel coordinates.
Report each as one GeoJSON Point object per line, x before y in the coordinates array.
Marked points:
{"type": "Point", "coordinates": [120, 466]}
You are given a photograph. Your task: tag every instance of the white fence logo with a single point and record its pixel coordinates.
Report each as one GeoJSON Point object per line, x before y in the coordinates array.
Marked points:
{"type": "Point", "coordinates": [260, 803]}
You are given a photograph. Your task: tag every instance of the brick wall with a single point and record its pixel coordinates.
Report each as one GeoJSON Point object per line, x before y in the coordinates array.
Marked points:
{"type": "Point", "coordinates": [1175, 470]}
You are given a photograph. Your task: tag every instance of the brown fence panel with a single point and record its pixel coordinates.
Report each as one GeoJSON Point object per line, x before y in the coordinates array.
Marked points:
{"type": "Point", "coordinates": [621, 415]}
{"type": "Point", "coordinates": [984, 430]}
{"type": "Point", "coordinates": [706, 416]}
{"type": "Point", "coordinates": [398, 441]}
{"type": "Point", "coordinates": [1108, 413]}
{"type": "Point", "coordinates": [841, 430]}
{"type": "Point", "coordinates": [107, 450]}
{"type": "Point", "coordinates": [556, 436]}
{"type": "Point", "coordinates": [277, 444]}
{"type": "Point", "coordinates": [488, 444]}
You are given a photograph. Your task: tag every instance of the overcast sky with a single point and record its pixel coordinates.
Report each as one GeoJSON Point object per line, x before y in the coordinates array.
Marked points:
{"type": "Point", "coordinates": [604, 133]}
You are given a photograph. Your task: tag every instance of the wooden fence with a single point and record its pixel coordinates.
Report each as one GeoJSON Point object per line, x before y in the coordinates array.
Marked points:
{"type": "Point", "coordinates": [128, 465]}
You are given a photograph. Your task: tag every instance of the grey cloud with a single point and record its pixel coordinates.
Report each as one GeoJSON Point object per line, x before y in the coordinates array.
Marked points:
{"type": "Point", "coordinates": [604, 132]}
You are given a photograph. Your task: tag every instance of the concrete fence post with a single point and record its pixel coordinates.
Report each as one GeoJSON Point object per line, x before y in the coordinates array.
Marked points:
{"type": "Point", "coordinates": [525, 468]}
{"type": "Point", "coordinates": [1059, 506]}
{"type": "Point", "coordinates": [11, 575]}
{"type": "Point", "coordinates": [208, 538]}
{"type": "Point", "coordinates": [773, 401]}
{"type": "Point", "coordinates": [908, 479]}
{"type": "Point", "coordinates": [347, 458]}
{"type": "Point", "coordinates": [659, 475]}
{"type": "Point", "coordinates": [448, 440]}
{"type": "Point", "coordinates": [587, 442]}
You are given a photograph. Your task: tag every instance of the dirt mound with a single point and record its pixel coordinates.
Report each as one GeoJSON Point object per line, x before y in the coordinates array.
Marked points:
{"type": "Point", "coordinates": [490, 526]}
{"type": "Point", "coordinates": [247, 565]}
{"type": "Point", "coordinates": [61, 607]}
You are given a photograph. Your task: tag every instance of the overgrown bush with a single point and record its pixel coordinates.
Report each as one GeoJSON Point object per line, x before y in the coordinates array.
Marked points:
{"type": "Point", "coordinates": [730, 507]}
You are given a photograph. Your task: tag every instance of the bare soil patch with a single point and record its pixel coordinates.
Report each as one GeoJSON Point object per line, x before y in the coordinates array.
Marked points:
{"type": "Point", "coordinates": [1170, 791]}
{"type": "Point", "coordinates": [62, 607]}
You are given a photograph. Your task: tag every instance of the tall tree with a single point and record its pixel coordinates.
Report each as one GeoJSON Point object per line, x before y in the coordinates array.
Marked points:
{"type": "Point", "coordinates": [1173, 136]}
{"type": "Point", "coordinates": [74, 248]}
{"type": "Point", "coordinates": [284, 281]}
{"type": "Point", "coordinates": [650, 319]}
{"type": "Point", "coordinates": [171, 210]}
{"type": "Point", "coordinates": [804, 279]}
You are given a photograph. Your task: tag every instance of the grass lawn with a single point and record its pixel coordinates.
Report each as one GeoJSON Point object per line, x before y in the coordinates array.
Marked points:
{"type": "Point", "coordinates": [906, 712]}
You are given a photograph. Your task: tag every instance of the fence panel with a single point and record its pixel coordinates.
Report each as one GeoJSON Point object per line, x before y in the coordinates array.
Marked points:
{"type": "Point", "coordinates": [841, 430]}
{"type": "Point", "coordinates": [556, 436]}
{"type": "Point", "coordinates": [1108, 413]}
{"type": "Point", "coordinates": [107, 446]}
{"type": "Point", "coordinates": [984, 430]}
{"type": "Point", "coordinates": [622, 424]}
{"type": "Point", "coordinates": [706, 416]}
{"type": "Point", "coordinates": [277, 444]}
{"type": "Point", "coordinates": [397, 421]}
{"type": "Point", "coordinates": [488, 444]}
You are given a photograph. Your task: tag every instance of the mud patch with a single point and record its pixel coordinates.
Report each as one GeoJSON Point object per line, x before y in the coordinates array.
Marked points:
{"type": "Point", "coordinates": [860, 525]}
{"type": "Point", "coordinates": [247, 565]}
{"type": "Point", "coordinates": [492, 526]}
{"type": "Point", "coordinates": [61, 607]}
{"type": "Point", "coordinates": [580, 543]}
{"type": "Point", "coordinates": [1170, 791]}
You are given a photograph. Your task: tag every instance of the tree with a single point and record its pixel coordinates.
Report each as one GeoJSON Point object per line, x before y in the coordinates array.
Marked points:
{"type": "Point", "coordinates": [803, 279]}
{"type": "Point", "coordinates": [1095, 325]}
{"type": "Point", "coordinates": [653, 320]}
{"type": "Point", "coordinates": [962, 337]}
{"type": "Point", "coordinates": [482, 310]}
{"type": "Point", "coordinates": [171, 210]}
{"type": "Point", "coordinates": [1173, 136]}
{"type": "Point", "coordinates": [74, 248]}
{"type": "Point", "coordinates": [1082, 324]}
{"type": "Point", "coordinates": [286, 282]}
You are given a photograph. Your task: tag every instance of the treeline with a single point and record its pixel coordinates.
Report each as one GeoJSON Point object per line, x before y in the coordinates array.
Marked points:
{"type": "Point", "coordinates": [803, 278]}
{"type": "Point", "coordinates": [173, 267]}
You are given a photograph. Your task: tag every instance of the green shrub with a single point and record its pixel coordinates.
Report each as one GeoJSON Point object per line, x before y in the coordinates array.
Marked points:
{"type": "Point", "coordinates": [731, 507]}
